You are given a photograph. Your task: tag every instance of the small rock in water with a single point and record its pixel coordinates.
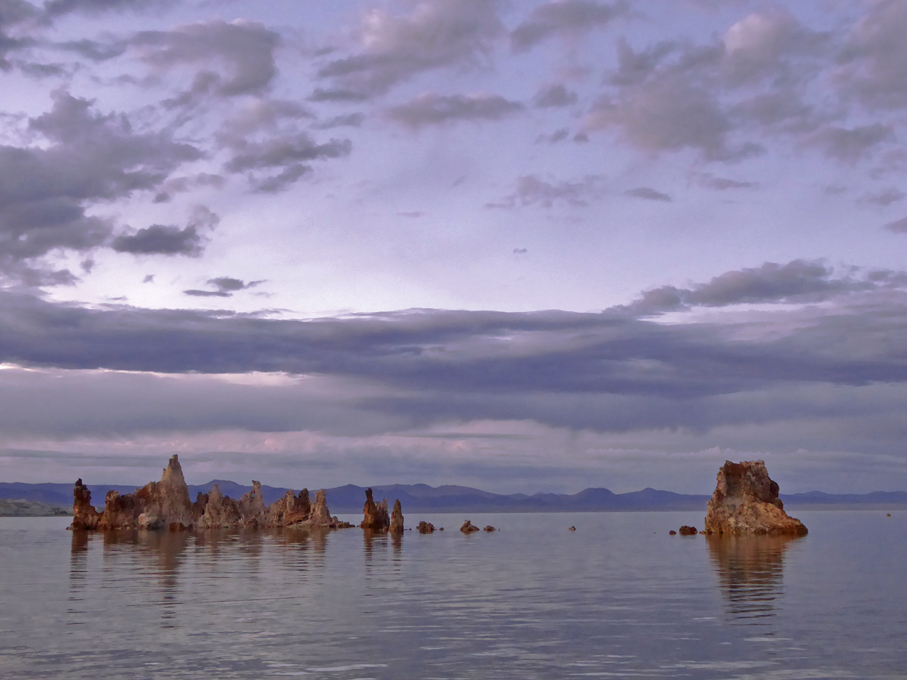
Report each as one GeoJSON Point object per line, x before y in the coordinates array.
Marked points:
{"type": "Point", "coordinates": [672, 532]}
{"type": "Point", "coordinates": [489, 528]}
{"type": "Point", "coordinates": [688, 530]}
{"type": "Point", "coordinates": [889, 514]}
{"type": "Point", "coordinates": [572, 529]}
{"type": "Point", "coordinates": [426, 527]}
{"type": "Point", "coordinates": [469, 528]}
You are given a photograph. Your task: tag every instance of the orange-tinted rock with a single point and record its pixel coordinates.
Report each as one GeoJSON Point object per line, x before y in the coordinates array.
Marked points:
{"type": "Point", "coordinates": [396, 526]}
{"type": "Point", "coordinates": [489, 528]}
{"type": "Point", "coordinates": [166, 505]}
{"type": "Point", "coordinates": [425, 528]}
{"type": "Point", "coordinates": [746, 502]}
{"type": "Point", "coordinates": [672, 532]}
{"type": "Point", "coordinates": [289, 510]}
{"type": "Point", "coordinates": [374, 515]}
{"type": "Point", "coordinates": [469, 528]}
{"type": "Point", "coordinates": [84, 514]}
{"type": "Point", "coordinates": [688, 530]}
{"type": "Point", "coordinates": [157, 505]}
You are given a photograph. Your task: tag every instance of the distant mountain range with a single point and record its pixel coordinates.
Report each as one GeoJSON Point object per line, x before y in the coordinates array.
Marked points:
{"type": "Point", "coordinates": [424, 498]}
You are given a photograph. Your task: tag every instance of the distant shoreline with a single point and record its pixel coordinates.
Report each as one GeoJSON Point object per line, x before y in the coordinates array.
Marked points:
{"type": "Point", "coordinates": [456, 499]}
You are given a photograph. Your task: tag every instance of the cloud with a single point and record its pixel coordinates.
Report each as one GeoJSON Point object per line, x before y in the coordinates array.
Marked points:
{"type": "Point", "coordinates": [670, 115]}
{"type": "Point", "coordinates": [649, 194]}
{"type": "Point", "coordinates": [430, 35]}
{"type": "Point", "coordinates": [347, 120]}
{"type": "Point", "coordinates": [246, 48]}
{"type": "Point", "coordinates": [159, 239]}
{"type": "Point", "coordinates": [224, 286]}
{"type": "Point", "coordinates": [57, 8]}
{"type": "Point", "coordinates": [555, 137]}
{"type": "Point", "coordinates": [563, 17]}
{"type": "Point", "coordinates": [288, 155]}
{"type": "Point", "coordinates": [727, 99]}
{"type": "Point", "coordinates": [323, 95]}
{"type": "Point", "coordinates": [884, 197]}
{"type": "Point", "coordinates": [872, 66]}
{"type": "Point", "coordinates": [552, 96]}
{"type": "Point", "coordinates": [603, 372]}
{"type": "Point", "coordinates": [723, 183]}
{"type": "Point", "coordinates": [796, 281]}
{"type": "Point", "coordinates": [852, 144]}
{"type": "Point", "coordinates": [898, 226]}
{"type": "Point", "coordinates": [533, 190]}
{"type": "Point", "coordinates": [87, 158]}
{"type": "Point", "coordinates": [435, 109]}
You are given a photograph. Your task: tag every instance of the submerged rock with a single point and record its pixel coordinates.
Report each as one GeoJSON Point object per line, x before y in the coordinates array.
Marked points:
{"type": "Point", "coordinates": [688, 530]}
{"type": "Point", "coordinates": [469, 528]}
{"type": "Point", "coordinates": [746, 502]}
{"type": "Point", "coordinates": [396, 526]}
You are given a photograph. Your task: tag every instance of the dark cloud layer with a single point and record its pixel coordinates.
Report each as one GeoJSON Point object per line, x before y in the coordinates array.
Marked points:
{"type": "Point", "coordinates": [511, 365]}
{"type": "Point", "coordinates": [45, 191]}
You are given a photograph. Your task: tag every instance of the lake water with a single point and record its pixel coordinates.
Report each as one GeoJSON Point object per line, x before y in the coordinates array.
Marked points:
{"type": "Point", "coordinates": [618, 597]}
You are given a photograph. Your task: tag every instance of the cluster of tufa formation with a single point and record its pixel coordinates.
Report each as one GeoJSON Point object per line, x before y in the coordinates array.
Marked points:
{"type": "Point", "coordinates": [375, 516]}
{"type": "Point", "coordinates": [746, 502]}
{"type": "Point", "coordinates": [166, 505]}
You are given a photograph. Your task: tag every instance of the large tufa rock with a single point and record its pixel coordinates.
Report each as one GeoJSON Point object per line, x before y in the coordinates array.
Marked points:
{"type": "Point", "coordinates": [166, 504]}
{"type": "Point", "coordinates": [157, 505]}
{"type": "Point", "coordinates": [221, 512]}
{"type": "Point", "coordinates": [397, 518]}
{"type": "Point", "coordinates": [374, 515]}
{"type": "Point", "coordinates": [746, 502]}
{"type": "Point", "coordinates": [321, 516]}
{"type": "Point", "coordinates": [84, 515]}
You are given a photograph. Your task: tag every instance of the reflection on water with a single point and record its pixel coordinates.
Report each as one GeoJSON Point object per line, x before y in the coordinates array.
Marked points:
{"type": "Point", "coordinates": [613, 599]}
{"type": "Point", "coordinates": [750, 569]}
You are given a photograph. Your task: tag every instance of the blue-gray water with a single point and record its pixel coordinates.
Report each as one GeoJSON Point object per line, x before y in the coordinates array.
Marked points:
{"type": "Point", "coordinates": [617, 598]}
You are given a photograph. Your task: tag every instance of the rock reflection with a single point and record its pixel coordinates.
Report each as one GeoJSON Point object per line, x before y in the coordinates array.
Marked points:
{"type": "Point", "coordinates": [750, 569]}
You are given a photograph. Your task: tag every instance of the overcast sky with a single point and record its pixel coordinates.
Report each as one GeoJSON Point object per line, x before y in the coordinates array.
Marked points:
{"type": "Point", "coordinates": [525, 246]}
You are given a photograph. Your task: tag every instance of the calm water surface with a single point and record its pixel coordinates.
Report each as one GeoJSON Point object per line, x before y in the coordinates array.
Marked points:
{"type": "Point", "coordinates": [617, 598]}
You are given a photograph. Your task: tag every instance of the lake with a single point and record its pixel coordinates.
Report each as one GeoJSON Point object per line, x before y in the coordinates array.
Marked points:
{"type": "Point", "coordinates": [618, 597]}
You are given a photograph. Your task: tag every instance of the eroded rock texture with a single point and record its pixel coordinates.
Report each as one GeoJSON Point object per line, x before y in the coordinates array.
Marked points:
{"type": "Point", "coordinates": [746, 502]}
{"type": "Point", "coordinates": [397, 518]}
{"type": "Point", "coordinates": [84, 515]}
{"type": "Point", "coordinates": [374, 515]}
{"type": "Point", "coordinates": [425, 528]}
{"type": "Point", "coordinates": [166, 505]}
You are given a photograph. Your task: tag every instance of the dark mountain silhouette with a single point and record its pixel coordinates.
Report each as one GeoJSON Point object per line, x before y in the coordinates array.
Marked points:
{"type": "Point", "coordinates": [449, 498]}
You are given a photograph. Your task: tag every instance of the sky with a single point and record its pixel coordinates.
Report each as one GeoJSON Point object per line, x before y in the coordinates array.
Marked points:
{"type": "Point", "coordinates": [523, 246]}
